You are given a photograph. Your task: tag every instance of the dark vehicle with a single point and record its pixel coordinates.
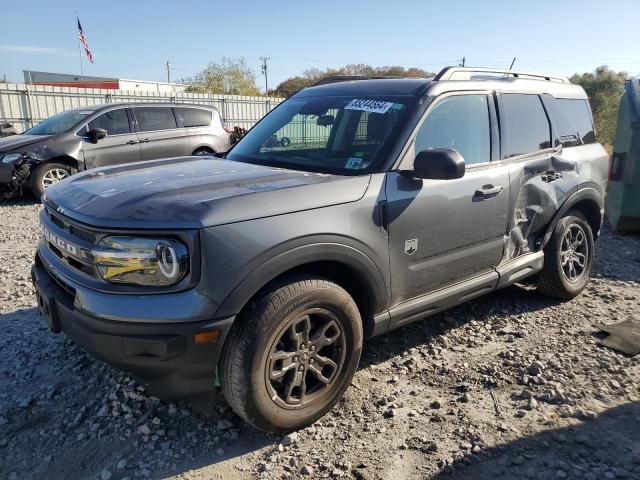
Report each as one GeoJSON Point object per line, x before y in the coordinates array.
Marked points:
{"type": "Point", "coordinates": [102, 135]}
{"type": "Point", "coordinates": [396, 199]}
{"type": "Point", "coordinates": [6, 130]}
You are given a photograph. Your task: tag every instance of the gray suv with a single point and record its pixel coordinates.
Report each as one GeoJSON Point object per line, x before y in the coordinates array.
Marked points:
{"type": "Point", "coordinates": [394, 199]}
{"type": "Point", "coordinates": [102, 135]}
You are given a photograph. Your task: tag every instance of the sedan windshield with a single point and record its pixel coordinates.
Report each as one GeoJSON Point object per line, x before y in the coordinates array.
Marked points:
{"type": "Point", "coordinates": [342, 135]}
{"type": "Point", "coordinates": [59, 123]}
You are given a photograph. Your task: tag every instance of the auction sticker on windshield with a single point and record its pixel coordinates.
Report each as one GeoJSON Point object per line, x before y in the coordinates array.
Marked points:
{"type": "Point", "coordinates": [373, 106]}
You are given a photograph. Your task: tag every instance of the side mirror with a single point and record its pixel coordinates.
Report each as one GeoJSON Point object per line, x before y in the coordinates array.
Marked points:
{"type": "Point", "coordinates": [438, 164]}
{"type": "Point", "coordinates": [97, 134]}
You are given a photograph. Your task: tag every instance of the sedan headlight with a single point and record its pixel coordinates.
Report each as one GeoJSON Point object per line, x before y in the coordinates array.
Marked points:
{"type": "Point", "coordinates": [10, 157]}
{"type": "Point", "coordinates": [141, 261]}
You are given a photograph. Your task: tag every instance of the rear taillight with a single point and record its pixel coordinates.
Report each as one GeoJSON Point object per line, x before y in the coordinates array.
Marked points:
{"type": "Point", "coordinates": [224, 125]}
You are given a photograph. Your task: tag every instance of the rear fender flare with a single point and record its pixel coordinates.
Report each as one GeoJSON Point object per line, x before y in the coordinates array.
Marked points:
{"type": "Point", "coordinates": [583, 193]}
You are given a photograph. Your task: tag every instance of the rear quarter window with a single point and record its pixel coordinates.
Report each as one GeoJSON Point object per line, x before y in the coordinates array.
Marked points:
{"type": "Point", "coordinates": [578, 113]}
{"type": "Point", "coordinates": [193, 117]}
{"type": "Point", "coordinates": [525, 124]}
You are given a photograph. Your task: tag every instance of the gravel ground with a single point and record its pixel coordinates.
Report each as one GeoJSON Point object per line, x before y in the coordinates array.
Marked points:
{"type": "Point", "coordinates": [511, 385]}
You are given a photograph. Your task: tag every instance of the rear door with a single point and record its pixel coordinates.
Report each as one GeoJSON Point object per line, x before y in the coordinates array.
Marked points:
{"type": "Point", "coordinates": [159, 134]}
{"type": "Point", "coordinates": [444, 231]}
{"type": "Point", "coordinates": [119, 146]}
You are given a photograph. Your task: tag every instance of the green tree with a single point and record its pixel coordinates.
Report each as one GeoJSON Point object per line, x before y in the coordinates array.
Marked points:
{"type": "Point", "coordinates": [231, 77]}
{"type": "Point", "coordinates": [313, 75]}
{"type": "Point", "coordinates": [604, 88]}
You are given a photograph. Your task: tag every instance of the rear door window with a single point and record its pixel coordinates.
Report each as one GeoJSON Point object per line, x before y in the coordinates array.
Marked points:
{"type": "Point", "coordinates": [115, 122]}
{"type": "Point", "coordinates": [193, 117]}
{"type": "Point", "coordinates": [154, 118]}
{"type": "Point", "coordinates": [525, 124]}
{"type": "Point", "coordinates": [459, 122]}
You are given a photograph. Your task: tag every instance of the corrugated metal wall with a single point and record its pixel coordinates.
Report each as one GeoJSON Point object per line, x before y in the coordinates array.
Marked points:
{"type": "Point", "coordinates": [26, 105]}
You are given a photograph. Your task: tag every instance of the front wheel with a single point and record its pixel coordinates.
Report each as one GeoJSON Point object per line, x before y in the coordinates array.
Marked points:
{"type": "Point", "coordinates": [292, 354]}
{"type": "Point", "coordinates": [46, 175]}
{"type": "Point", "coordinates": [568, 258]}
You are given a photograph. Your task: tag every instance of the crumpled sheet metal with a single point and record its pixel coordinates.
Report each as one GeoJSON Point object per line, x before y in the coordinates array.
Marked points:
{"type": "Point", "coordinates": [623, 336]}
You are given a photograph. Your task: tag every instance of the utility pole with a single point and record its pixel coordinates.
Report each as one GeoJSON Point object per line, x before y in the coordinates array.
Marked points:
{"type": "Point", "coordinates": [168, 71]}
{"type": "Point", "coordinates": [265, 72]}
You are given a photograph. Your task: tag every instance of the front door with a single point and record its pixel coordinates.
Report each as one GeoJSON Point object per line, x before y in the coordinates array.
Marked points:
{"type": "Point", "coordinates": [444, 231]}
{"type": "Point", "coordinates": [159, 134]}
{"type": "Point", "coordinates": [119, 146]}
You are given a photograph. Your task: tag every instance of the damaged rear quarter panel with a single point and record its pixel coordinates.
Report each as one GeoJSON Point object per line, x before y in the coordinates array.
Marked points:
{"type": "Point", "coordinates": [541, 185]}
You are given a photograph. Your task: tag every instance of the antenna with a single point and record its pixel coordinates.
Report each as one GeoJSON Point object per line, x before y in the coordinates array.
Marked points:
{"type": "Point", "coordinates": [513, 61]}
{"type": "Point", "coordinates": [462, 61]}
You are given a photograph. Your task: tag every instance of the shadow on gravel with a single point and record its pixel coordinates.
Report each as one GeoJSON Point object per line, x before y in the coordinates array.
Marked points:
{"type": "Point", "coordinates": [25, 199]}
{"type": "Point", "coordinates": [514, 300]}
{"type": "Point", "coordinates": [607, 447]}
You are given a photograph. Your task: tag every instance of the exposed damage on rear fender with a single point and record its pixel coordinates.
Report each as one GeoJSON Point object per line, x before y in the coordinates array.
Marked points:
{"type": "Point", "coordinates": [538, 189]}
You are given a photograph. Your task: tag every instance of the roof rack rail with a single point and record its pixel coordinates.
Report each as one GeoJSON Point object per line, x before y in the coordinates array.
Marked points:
{"type": "Point", "coordinates": [450, 73]}
{"type": "Point", "coordinates": [346, 78]}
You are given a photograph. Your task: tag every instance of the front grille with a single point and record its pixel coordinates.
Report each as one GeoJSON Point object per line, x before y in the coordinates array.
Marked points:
{"type": "Point", "coordinates": [69, 242]}
{"type": "Point", "coordinates": [66, 288]}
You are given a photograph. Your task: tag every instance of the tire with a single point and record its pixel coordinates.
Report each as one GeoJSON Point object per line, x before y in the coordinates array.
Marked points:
{"type": "Point", "coordinates": [266, 364]}
{"type": "Point", "coordinates": [556, 279]}
{"type": "Point", "coordinates": [46, 175]}
{"type": "Point", "coordinates": [202, 152]}
{"type": "Point", "coordinates": [285, 142]}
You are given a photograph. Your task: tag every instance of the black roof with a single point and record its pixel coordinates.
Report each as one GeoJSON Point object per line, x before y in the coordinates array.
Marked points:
{"type": "Point", "coordinates": [382, 86]}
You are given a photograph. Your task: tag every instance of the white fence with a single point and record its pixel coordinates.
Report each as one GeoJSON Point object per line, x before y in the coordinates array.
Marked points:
{"type": "Point", "coordinates": [26, 105]}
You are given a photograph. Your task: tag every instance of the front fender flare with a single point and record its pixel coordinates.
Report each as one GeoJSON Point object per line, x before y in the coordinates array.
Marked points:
{"type": "Point", "coordinates": [300, 256]}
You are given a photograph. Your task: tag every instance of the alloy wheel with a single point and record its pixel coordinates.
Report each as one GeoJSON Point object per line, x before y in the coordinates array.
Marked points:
{"type": "Point", "coordinates": [306, 358]}
{"type": "Point", "coordinates": [574, 252]}
{"type": "Point", "coordinates": [53, 176]}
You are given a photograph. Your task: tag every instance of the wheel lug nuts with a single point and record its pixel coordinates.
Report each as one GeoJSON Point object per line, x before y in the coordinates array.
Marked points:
{"type": "Point", "coordinates": [312, 348]}
{"type": "Point", "coordinates": [311, 360]}
{"type": "Point", "coordinates": [301, 368]}
{"type": "Point", "coordinates": [295, 359]}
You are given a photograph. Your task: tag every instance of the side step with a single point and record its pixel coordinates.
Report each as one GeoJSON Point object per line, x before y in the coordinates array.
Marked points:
{"type": "Point", "coordinates": [520, 268]}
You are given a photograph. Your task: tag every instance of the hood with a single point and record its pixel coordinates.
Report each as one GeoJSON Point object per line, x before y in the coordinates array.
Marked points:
{"type": "Point", "coordinates": [195, 192]}
{"type": "Point", "coordinates": [12, 142]}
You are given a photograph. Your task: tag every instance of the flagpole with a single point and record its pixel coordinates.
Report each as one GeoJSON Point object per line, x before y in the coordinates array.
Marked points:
{"type": "Point", "coordinates": [79, 49]}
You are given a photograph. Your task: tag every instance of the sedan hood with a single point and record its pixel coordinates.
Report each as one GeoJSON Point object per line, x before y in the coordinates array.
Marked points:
{"type": "Point", "coordinates": [12, 142]}
{"type": "Point", "coordinates": [195, 192]}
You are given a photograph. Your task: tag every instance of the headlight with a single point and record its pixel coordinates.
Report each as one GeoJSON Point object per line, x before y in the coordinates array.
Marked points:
{"type": "Point", "coordinates": [11, 157]}
{"type": "Point", "coordinates": [141, 261]}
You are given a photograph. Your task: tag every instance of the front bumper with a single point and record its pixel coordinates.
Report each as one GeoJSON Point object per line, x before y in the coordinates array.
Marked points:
{"type": "Point", "coordinates": [6, 172]}
{"type": "Point", "coordinates": [164, 356]}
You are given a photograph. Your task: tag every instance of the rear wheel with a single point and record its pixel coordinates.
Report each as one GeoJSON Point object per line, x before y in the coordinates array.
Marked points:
{"type": "Point", "coordinates": [46, 175]}
{"type": "Point", "coordinates": [292, 354]}
{"type": "Point", "coordinates": [203, 151]}
{"type": "Point", "coordinates": [568, 258]}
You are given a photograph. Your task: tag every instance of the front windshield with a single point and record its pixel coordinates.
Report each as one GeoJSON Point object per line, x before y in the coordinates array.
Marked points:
{"type": "Point", "coordinates": [343, 135]}
{"type": "Point", "coordinates": [59, 123]}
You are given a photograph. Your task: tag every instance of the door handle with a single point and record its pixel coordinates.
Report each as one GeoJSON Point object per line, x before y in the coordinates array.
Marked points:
{"type": "Point", "coordinates": [487, 191]}
{"type": "Point", "coordinates": [146, 140]}
{"type": "Point", "coordinates": [132, 142]}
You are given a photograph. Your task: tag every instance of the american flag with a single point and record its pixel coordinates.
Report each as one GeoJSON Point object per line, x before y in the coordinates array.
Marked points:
{"type": "Point", "coordinates": [83, 40]}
